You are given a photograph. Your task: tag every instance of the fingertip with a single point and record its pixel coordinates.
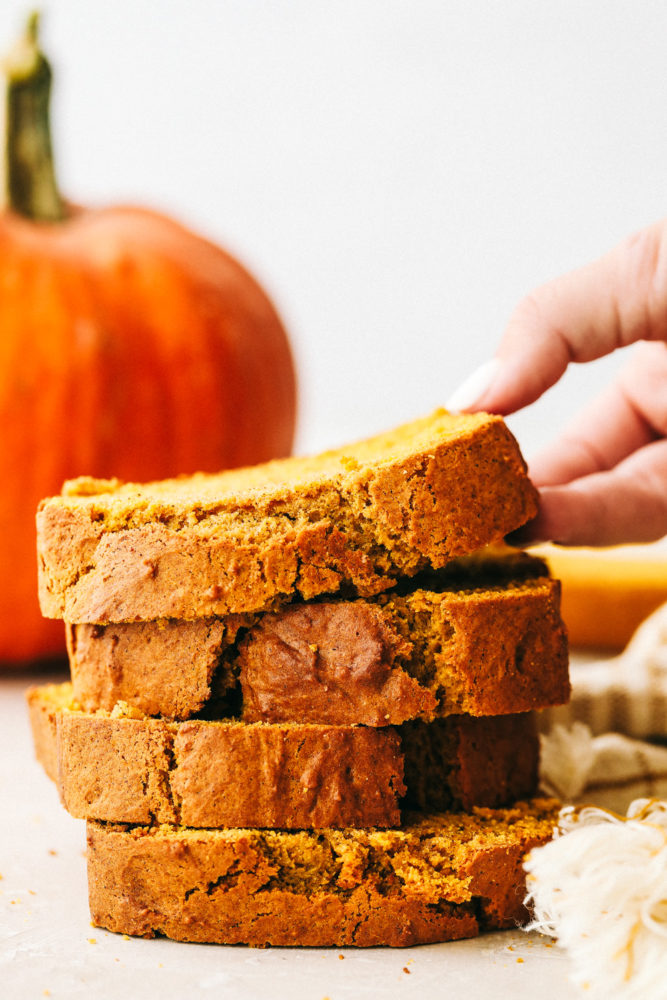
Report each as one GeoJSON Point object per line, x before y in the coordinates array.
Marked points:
{"type": "Point", "coordinates": [602, 509]}
{"type": "Point", "coordinates": [531, 533]}
{"type": "Point", "coordinates": [563, 517]}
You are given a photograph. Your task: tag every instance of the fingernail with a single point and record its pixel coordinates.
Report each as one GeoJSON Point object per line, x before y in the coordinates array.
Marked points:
{"type": "Point", "coordinates": [474, 387]}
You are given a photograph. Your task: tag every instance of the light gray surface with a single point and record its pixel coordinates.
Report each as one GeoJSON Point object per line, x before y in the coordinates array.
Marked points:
{"type": "Point", "coordinates": [47, 943]}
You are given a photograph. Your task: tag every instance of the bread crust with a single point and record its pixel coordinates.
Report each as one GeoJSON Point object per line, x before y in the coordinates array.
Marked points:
{"type": "Point", "coordinates": [174, 669]}
{"type": "Point", "coordinates": [235, 774]}
{"type": "Point", "coordinates": [439, 878]}
{"type": "Point", "coordinates": [247, 541]}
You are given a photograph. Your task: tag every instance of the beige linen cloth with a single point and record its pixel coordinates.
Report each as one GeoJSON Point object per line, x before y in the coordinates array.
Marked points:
{"type": "Point", "coordinates": [594, 749]}
{"type": "Point", "coordinates": [624, 694]}
{"type": "Point", "coordinates": [600, 887]}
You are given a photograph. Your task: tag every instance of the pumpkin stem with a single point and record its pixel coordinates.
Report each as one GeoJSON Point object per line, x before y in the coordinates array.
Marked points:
{"type": "Point", "coordinates": [28, 179]}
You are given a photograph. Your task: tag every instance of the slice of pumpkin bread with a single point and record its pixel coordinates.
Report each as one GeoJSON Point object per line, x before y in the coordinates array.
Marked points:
{"type": "Point", "coordinates": [482, 637]}
{"type": "Point", "coordinates": [248, 540]}
{"type": "Point", "coordinates": [439, 878]}
{"type": "Point", "coordinates": [292, 776]}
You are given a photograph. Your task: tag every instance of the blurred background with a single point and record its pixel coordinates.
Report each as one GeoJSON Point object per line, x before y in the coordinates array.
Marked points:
{"type": "Point", "coordinates": [397, 174]}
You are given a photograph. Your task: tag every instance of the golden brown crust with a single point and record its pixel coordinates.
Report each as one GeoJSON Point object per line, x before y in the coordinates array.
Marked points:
{"type": "Point", "coordinates": [44, 728]}
{"type": "Point", "coordinates": [169, 668]}
{"type": "Point", "coordinates": [245, 541]}
{"type": "Point", "coordinates": [439, 878]}
{"type": "Point", "coordinates": [234, 774]}
{"type": "Point", "coordinates": [224, 774]}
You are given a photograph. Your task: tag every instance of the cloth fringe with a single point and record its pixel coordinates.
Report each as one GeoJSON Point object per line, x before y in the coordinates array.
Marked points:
{"type": "Point", "coordinates": [600, 888]}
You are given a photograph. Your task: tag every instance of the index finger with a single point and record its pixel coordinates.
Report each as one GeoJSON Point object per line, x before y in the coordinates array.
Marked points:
{"type": "Point", "coordinates": [615, 301]}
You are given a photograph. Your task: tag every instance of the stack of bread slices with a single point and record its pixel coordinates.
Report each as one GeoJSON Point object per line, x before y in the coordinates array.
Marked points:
{"type": "Point", "coordinates": [302, 700]}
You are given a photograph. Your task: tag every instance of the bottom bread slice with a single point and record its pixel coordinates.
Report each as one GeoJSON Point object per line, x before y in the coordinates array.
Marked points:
{"type": "Point", "coordinates": [438, 878]}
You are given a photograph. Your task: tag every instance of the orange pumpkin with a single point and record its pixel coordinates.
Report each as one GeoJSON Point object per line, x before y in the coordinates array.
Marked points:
{"type": "Point", "coordinates": [128, 346]}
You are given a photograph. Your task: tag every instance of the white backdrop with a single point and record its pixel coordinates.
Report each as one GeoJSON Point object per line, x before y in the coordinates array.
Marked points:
{"type": "Point", "coordinates": [397, 174]}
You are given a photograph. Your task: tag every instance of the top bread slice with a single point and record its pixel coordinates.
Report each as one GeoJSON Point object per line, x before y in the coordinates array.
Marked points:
{"type": "Point", "coordinates": [352, 520]}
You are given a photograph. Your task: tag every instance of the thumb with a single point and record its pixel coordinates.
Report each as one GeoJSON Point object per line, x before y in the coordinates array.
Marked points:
{"type": "Point", "coordinates": [626, 504]}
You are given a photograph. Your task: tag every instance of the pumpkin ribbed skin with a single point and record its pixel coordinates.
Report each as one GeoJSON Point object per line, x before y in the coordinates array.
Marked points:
{"type": "Point", "coordinates": [129, 347]}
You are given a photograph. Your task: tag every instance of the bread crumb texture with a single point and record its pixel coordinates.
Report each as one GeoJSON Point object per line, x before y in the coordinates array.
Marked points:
{"type": "Point", "coordinates": [440, 877]}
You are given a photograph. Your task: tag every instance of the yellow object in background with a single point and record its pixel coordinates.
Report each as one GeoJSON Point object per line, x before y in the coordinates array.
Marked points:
{"type": "Point", "coordinates": [607, 593]}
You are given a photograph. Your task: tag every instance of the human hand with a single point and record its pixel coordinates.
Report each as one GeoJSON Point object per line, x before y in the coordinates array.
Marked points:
{"type": "Point", "coordinates": [604, 480]}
